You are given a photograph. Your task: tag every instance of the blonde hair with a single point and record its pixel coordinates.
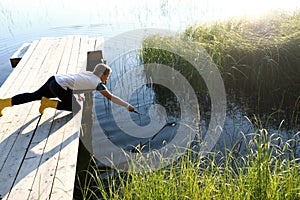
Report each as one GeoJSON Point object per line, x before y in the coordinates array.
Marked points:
{"type": "Point", "coordinates": [101, 69]}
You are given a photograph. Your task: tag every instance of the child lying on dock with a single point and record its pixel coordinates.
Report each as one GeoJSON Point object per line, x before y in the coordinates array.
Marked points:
{"type": "Point", "coordinates": [63, 87]}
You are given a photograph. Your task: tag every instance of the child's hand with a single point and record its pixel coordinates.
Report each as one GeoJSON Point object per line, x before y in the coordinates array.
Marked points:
{"type": "Point", "coordinates": [130, 108]}
{"type": "Point", "coordinates": [80, 98]}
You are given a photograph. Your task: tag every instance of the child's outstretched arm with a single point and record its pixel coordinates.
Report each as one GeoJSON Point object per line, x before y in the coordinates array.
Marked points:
{"type": "Point", "coordinates": [117, 100]}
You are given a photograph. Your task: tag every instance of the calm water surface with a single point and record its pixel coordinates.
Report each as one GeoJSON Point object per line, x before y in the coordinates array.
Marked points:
{"type": "Point", "coordinates": [25, 21]}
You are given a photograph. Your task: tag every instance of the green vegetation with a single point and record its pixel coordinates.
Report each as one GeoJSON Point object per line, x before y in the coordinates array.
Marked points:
{"type": "Point", "coordinates": [258, 60]}
{"type": "Point", "coordinates": [268, 170]}
{"type": "Point", "coordinates": [260, 65]}
{"type": "Point", "coordinates": [258, 54]}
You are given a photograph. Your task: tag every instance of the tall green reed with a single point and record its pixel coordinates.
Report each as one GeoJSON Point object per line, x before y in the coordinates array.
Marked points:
{"type": "Point", "coordinates": [268, 170]}
{"type": "Point", "coordinates": [257, 58]}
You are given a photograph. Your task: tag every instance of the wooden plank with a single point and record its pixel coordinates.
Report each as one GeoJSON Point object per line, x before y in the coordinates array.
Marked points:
{"type": "Point", "coordinates": [10, 84]}
{"type": "Point", "coordinates": [81, 60]}
{"type": "Point", "coordinates": [62, 69]}
{"type": "Point", "coordinates": [50, 64]}
{"type": "Point", "coordinates": [24, 81]}
{"type": "Point", "coordinates": [15, 119]}
{"type": "Point", "coordinates": [74, 57]}
{"type": "Point", "coordinates": [25, 75]}
{"type": "Point", "coordinates": [49, 113]}
{"type": "Point", "coordinates": [17, 154]}
{"type": "Point", "coordinates": [27, 173]}
{"type": "Point", "coordinates": [45, 147]}
{"type": "Point", "coordinates": [67, 160]}
{"type": "Point", "coordinates": [43, 180]}
{"type": "Point", "coordinates": [21, 139]}
{"type": "Point", "coordinates": [63, 185]}
{"type": "Point", "coordinates": [66, 168]}
{"type": "Point", "coordinates": [32, 162]}
{"type": "Point", "coordinates": [10, 130]}
{"type": "Point", "coordinates": [45, 173]}
{"type": "Point", "coordinates": [13, 160]}
{"type": "Point", "coordinates": [12, 78]}
{"type": "Point", "coordinates": [66, 56]}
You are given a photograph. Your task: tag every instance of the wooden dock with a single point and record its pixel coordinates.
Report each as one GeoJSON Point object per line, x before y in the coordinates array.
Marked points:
{"type": "Point", "coordinates": [39, 152]}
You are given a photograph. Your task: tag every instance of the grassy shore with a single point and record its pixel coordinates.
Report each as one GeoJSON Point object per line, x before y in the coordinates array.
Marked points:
{"type": "Point", "coordinates": [261, 53]}
{"type": "Point", "coordinates": [269, 170]}
{"type": "Point", "coordinates": [259, 63]}
{"type": "Point", "coordinates": [257, 58]}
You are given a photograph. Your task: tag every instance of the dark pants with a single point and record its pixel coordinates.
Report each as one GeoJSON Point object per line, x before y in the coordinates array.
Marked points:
{"type": "Point", "coordinates": [51, 89]}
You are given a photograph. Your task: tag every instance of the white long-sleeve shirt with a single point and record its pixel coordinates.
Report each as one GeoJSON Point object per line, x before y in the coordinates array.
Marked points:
{"type": "Point", "coordinates": [83, 81]}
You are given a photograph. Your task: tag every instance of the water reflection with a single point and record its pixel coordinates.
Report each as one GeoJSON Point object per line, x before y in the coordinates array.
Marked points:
{"type": "Point", "coordinates": [162, 115]}
{"type": "Point", "coordinates": [164, 123]}
{"type": "Point", "coordinates": [155, 135]}
{"type": "Point", "coordinates": [155, 127]}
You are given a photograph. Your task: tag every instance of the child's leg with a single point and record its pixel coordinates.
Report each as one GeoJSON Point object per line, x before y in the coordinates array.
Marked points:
{"type": "Point", "coordinates": [27, 97]}
{"type": "Point", "coordinates": [43, 91]}
{"type": "Point", "coordinates": [4, 103]}
{"type": "Point", "coordinates": [68, 102]}
{"type": "Point", "coordinates": [66, 97]}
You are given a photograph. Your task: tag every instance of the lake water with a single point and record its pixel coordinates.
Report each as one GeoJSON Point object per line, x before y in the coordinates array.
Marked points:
{"type": "Point", "coordinates": [25, 21]}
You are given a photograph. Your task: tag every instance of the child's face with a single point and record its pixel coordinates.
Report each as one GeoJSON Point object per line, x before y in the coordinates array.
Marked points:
{"type": "Point", "coordinates": [104, 78]}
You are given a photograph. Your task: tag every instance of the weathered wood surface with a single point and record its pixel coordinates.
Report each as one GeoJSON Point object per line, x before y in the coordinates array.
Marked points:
{"type": "Point", "coordinates": [17, 56]}
{"type": "Point", "coordinates": [39, 153]}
